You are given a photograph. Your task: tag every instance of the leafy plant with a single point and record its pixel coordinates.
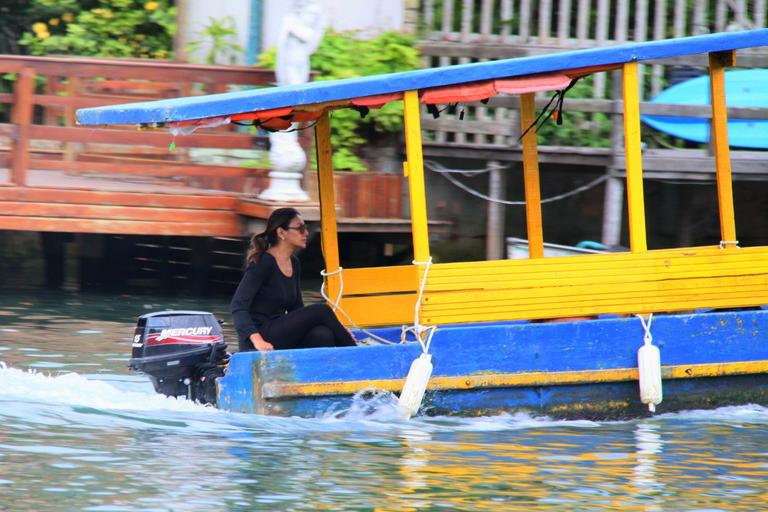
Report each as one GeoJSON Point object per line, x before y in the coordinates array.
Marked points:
{"type": "Point", "coordinates": [578, 128]}
{"type": "Point", "coordinates": [219, 34]}
{"type": "Point", "coordinates": [343, 55]}
{"type": "Point", "coordinates": [106, 28]}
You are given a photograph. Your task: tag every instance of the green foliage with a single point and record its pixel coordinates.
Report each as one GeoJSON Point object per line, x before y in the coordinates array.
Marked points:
{"type": "Point", "coordinates": [578, 128]}
{"type": "Point", "coordinates": [342, 55]}
{"type": "Point", "coordinates": [106, 28]}
{"type": "Point", "coordinates": [219, 34]}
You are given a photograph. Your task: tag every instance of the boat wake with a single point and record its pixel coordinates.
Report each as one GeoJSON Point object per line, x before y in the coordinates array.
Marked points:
{"type": "Point", "coordinates": [76, 390]}
{"type": "Point", "coordinates": [33, 397]}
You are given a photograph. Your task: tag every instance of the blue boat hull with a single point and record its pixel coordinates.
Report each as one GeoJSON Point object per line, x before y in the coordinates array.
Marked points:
{"type": "Point", "coordinates": [584, 369]}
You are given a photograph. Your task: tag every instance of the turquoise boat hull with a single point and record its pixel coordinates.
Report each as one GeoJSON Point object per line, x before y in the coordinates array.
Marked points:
{"type": "Point", "coordinates": [572, 369]}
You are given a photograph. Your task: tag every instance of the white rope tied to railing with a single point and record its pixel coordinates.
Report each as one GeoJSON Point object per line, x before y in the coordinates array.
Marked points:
{"type": "Point", "coordinates": [421, 369]}
{"type": "Point", "coordinates": [337, 307]}
{"type": "Point", "coordinates": [422, 333]}
{"type": "Point", "coordinates": [325, 274]}
{"type": "Point", "coordinates": [723, 243]}
{"type": "Point", "coordinates": [420, 372]}
{"type": "Point", "coordinates": [647, 337]}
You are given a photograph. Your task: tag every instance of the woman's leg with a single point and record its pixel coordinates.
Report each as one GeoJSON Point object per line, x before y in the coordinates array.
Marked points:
{"type": "Point", "coordinates": [318, 336]}
{"type": "Point", "coordinates": [290, 330]}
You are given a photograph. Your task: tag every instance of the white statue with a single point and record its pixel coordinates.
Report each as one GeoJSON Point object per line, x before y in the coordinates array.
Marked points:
{"type": "Point", "coordinates": [300, 34]}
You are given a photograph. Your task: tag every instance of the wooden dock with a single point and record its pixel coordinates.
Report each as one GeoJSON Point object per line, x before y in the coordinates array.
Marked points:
{"type": "Point", "coordinates": [57, 177]}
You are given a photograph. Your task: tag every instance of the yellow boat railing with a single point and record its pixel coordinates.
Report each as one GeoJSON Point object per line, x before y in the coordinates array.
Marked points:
{"type": "Point", "coordinates": [640, 281]}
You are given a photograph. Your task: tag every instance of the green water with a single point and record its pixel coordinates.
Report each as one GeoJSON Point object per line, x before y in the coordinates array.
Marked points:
{"type": "Point", "coordinates": [78, 432]}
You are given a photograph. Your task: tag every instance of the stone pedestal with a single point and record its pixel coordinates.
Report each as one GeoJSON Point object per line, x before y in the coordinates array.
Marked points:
{"type": "Point", "coordinates": [288, 160]}
{"type": "Point", "coordinates": [284, 186]}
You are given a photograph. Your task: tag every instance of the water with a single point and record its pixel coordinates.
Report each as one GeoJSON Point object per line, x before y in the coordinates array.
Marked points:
{"type": "Point", "coordinates": [78, 432]}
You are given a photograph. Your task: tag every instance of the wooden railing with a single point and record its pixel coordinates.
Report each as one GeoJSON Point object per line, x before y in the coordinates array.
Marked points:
{"type": "Point", "coordinates": [48, 90]}
{"type": "Point", "coordinates": [464, 31]}
{"type": "Point", "coordinates": [56, 176]}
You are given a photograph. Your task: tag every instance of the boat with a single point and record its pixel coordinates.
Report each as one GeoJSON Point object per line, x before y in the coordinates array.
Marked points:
{"type": "Point", "coordinates": [746, 88]}
{"type": "Point", "coordinates": [614, 334]}
{"type": "Point", "coordinates": [518, 248]}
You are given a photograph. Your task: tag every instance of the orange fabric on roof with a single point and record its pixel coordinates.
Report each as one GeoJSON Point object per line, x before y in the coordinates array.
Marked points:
{"type": "Point", "coordinates": [377, 100]}
{"type": "Point", "coordinates": [533, 83]}
{"type": "Point", "coordinates": [461, 93]}
{"type": "Point", "coordinates": [263, 114]}
{"type": "Point", "coordinates": [301, 116]}
{"type": "Point", "coordinates": [276, 124]}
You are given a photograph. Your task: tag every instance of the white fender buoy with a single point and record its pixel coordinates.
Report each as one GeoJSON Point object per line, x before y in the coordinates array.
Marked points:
{"type": "Point", "coordinates": [415, 385]}
{"type": "Point", "coordinates": [649, 370]}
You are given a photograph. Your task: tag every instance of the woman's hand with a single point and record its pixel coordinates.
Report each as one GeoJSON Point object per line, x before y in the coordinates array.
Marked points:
{"type": "Point", "coordinates": [259, 343]}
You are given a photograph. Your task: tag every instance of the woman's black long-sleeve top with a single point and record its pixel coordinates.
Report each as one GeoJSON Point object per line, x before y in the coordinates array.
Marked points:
{"type": "Point", "coordinates": [264, 293]}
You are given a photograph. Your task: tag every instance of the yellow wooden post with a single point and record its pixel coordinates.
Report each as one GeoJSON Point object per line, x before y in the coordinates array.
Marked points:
{"type": "Point", "coordinates": [414, 170]}
{"type": "Point", "coordinates": [531, 176]}
{"type": "Point", "coordinates": [718, 61]}
{"type": "Point", "coordinates": [328, 229]}
{"type": "Point", "coordinates": [634, 158]}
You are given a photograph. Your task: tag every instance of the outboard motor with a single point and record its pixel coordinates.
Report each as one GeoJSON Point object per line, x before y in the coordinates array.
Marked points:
{"type": "Point", "coordinates": [182, 352]}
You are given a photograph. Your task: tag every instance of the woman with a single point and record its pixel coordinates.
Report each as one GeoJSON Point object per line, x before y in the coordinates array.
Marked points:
{"type": "Point", "coordinates": [267, 307]}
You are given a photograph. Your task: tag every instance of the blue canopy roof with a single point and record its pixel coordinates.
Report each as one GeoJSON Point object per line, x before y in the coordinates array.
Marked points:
{"type": "Point", "coordinates": [215, 105]}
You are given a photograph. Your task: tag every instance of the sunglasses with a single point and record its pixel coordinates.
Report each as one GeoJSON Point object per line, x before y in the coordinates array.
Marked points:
{"type": "Point", "coordinates": [301, 228]}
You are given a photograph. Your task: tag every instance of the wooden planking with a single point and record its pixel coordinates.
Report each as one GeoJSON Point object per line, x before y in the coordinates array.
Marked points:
{"type": "Point", "coordinates": [719, 139]}
{"type": "Point", "coordinates": [564, 22]}
{"type": "Point", "coordinates": [154, 168]}
{"type": "Point", "coordinates": [414, 167]}
{"type": "Point", "coordinates": [359, 281]}
{"type": "Point", "coordinates": [597, 297]}
{"type": "Point", "coordinates": [565, 310]}
{"type": "Point", "coordinates": [49, 100]}
{"type": "Point", "coordinates": [120, 227]}
{"type": "Point", "coordinates": [467, 8]}
{"type": "Point", "coordinates": [555, 279]}
{"type": "Point", "coordinates": [379, 296]}
{"type": "Point", "coordinates": [380, 310]}
{"type": "Point", "coordinates": [624, 283]}
{"type": "Point", "coordinates": [22, 117]}
{"type": "Point", "coordinates": [81, 211]}
{"type": "Point", "coordinates": [329, 239]}
{"type": "Point", "coordinates": [585, 300]}
{"type": "Point", "coordinates": [608, 263]}
{"type": "Point", "coordinates": [634, 158]}
{"type": "Point", "coordinates": [676, 279]}
{"type": "Point", "coordinates": [619, 275]}
{"type": "Point", "coordinates": [96, 197]}
{"type": "Point", "coordinates": [533, 218]}
{"type": "Point", "coordinates": [159, 138]}
{"type": "Point", "coordinates": [689, 17]}
{"type": "Point", "coordinates": [141, 69]}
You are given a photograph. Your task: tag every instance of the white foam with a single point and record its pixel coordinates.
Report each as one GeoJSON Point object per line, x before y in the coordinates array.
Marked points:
{"type": "Point", "coordinates": [74, 389]}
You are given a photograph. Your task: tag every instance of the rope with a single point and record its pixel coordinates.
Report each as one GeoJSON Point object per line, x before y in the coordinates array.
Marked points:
{"type": "Point", "coordinates": [446, 173]}
{"type": "Point", "coordinates": [422, 333]}
{"type": "Point", "coordinates": [341, 286]}
{"type": "Point", "coordinates": [417, 329]}
{"type": "Point", "coordinates": [339, 308]}
{"type": "Point", "coordinates": [647, 337]}
{"type": "Point", "coordinates": [723, 243]}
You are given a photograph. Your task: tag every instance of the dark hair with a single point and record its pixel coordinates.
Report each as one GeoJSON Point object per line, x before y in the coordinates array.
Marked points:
{"type": "Point", "coordinates": [280, 218]}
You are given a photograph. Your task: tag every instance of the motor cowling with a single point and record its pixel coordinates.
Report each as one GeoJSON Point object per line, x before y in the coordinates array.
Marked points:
{"type": "Point", "coordinates": [182, 353]}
